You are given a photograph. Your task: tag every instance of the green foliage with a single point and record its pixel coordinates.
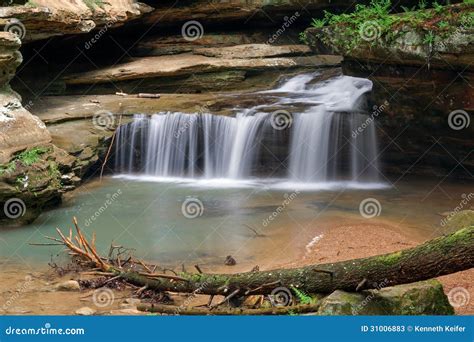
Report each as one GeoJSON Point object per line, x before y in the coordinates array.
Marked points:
{"type": "Point", "coordinates": [374, 24]}
{"type": "Point", "coordinates": [443, 24]}
{"type": "Point", "coordinates": [429, 38]}
{"type": "Point", "coordinates": [422, 4]}
{"type": "Point", "coordinates": [303, 38]}
{"type": "Point", "coordinates": [27, 158]}
{"type": "Point", "coordinates": [366, 23]}
{"type": "Point", "coordinates": [8, 168]}
{"type": "Point", "coordinates": [31, 156]}
{"type": "Point", "coordinates": [303, 297]}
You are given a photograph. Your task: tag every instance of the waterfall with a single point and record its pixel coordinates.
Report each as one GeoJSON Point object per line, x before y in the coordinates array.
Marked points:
{"type": "Point", "coordinates": [317, 146]}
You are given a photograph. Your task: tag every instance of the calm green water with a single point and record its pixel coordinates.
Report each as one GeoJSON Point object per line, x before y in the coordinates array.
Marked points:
{"type": "Point", "coordinates": [149, 216]}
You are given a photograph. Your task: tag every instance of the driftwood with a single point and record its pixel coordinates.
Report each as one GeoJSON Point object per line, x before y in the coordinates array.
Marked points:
{"type": "Point", "coordinates": [437, 257]}
{"type": "Point", "coordinates": [186, 310]}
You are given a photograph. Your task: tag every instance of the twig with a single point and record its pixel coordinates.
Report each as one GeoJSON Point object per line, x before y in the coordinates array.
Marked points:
{"type": "Point", "coordinates": [257, 234]}
{"type": "Point", "coordinates": [226, 299]}
{"type": "Point", "coordinates": [110, 148]}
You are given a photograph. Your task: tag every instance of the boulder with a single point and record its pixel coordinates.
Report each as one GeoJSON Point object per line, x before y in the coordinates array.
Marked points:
{"type": "Point", "coordinates": [85, 311]}
{"type": "Point", "coordinates": [70, 285]}
{"type": "Point", "coordinates": [421, 298]}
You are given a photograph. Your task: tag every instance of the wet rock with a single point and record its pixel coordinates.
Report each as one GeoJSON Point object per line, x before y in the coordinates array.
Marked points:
{"type": "Point", "coordinates": [70, 285]}
{"type": "Point", "coordinates": [132, 301]}
{"type": "Point", "coordinates": [421, 298]}
{"type": "Point", "coordinates": [418, 86]}
{"type": "Point", "coordinates": [195, 73]}
{"type": "Point", "coordinates": [230, 261]}
{"type": "Point", "coordinates": [85, 311]}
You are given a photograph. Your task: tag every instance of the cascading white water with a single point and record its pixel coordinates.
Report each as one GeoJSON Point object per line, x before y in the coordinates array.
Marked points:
{"type": "Point", "coordinates": [320, 147]}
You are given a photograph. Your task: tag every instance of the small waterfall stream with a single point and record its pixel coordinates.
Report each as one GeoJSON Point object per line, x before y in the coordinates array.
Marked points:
{"type": "Point", "coordinates": [314, 146]}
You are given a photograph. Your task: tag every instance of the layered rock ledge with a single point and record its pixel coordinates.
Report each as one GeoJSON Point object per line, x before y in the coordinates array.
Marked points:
{"type": "Point", "coordinates": [421, 67]}
{"type": "Point", "coordinates": [47, 18]}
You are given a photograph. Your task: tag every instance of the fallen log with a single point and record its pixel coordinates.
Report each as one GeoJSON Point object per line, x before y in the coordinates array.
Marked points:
{"type": "Point", "coordinates": [443, 255]}
{"type": "Point", "coordinates": [437, 257]}
{"type": "Point", "coordinates": [199, 311]}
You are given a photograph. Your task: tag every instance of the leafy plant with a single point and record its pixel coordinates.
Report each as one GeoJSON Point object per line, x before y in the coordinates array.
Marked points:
{"type": "Point", "coordinates": [303, 297]}
{"type": "Point", "coordinates": [31, 156]}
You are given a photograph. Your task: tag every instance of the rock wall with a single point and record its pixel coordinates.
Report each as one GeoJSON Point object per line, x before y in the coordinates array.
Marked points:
{"type": "Point", "coordinates": [47, 18]}
{"type": "Point", "coordinates": [422, 97]}
{"type": "Point", "coordinates": [19, 129]}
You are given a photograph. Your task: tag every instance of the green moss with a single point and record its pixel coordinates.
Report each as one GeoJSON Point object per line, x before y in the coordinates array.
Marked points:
{"type": "Point", "coordinates": [374, 24]}
{"type": "Point", "coordinates": [31, 156]}
{"type": "Point", "coordinates": [390, 259]}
